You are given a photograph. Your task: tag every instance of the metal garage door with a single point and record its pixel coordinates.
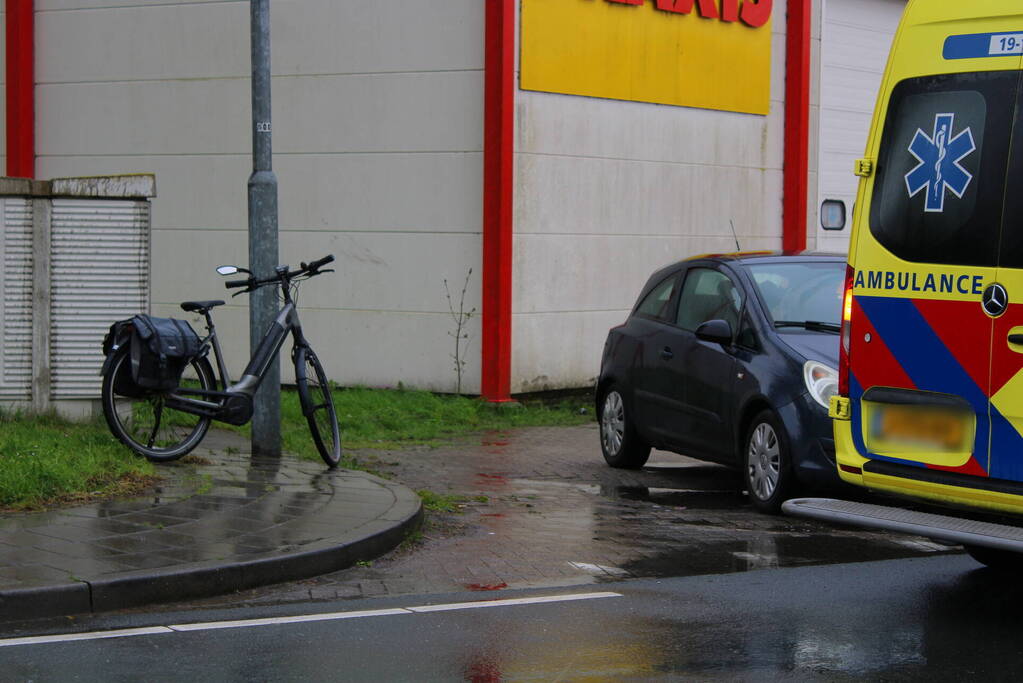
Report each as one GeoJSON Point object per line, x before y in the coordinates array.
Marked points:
{"type": "Point", "coordinates": [16, 299]}
{"type": "Point", "coordinates": [855, 38]}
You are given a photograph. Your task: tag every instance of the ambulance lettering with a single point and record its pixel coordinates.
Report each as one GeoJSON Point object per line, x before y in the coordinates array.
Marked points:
{"type": "Point", "coordinates": [917, 282]}
{"type": "Point", "coordinates": [939, 156]}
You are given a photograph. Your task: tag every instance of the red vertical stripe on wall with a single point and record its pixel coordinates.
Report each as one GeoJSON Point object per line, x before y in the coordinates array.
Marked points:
{"type": "Point", "coordinates": [21, 143]}
{"type": "Point", "coordinates": [499, 100]}
{"type": "Point", "coordinates": [797, 124]}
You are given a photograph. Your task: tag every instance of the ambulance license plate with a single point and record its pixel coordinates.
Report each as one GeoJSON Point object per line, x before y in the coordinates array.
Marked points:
{"type": "Point", "coordinates": [923, 427]}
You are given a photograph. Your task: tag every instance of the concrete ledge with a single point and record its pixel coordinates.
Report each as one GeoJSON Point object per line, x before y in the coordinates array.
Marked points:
{"type": "Point", "coordinates": [137, 186]}
{"type": "Point", "coordinates": [128, 186]}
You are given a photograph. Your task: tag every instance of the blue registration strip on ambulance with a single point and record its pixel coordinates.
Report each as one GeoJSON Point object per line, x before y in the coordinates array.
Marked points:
{"type": "Point", "coordinates": [976, 45]}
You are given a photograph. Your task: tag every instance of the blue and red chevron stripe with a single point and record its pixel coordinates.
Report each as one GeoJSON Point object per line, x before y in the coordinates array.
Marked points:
{"type": "Point", "coordinates": [944, 347]}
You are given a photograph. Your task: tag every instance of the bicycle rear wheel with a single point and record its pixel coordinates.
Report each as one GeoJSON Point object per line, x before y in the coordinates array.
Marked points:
{"type": "Point", "coordinates": [141, 419]}
{"type": "Point", "coordinates": [318, 405]}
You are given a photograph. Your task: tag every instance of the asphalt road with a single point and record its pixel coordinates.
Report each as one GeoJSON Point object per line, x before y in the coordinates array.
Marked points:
{"type": "Point", "coordinates": [937, 618]}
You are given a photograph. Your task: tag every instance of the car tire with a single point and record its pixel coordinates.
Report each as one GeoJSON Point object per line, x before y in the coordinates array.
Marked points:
{"type": "Point", "coordinates": [767, 463]}
{"type": "Point", "coordinates": [621, 445]}
{"type": "Point", "coordinates": [996, 559]}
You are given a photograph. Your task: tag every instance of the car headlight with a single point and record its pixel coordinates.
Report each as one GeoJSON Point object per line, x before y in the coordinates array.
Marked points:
{"type": "Point", "coordinates": [821, 381]}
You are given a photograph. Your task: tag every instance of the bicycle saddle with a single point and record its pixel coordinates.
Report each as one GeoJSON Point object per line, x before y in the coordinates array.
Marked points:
{"type": "Point", "coordinates": [200, 306]}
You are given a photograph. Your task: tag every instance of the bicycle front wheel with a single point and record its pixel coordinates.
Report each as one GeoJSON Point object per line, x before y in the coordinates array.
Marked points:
{"type": "Point", "coordinates": [143, 421]}
{"type": "Point", "coordinates": [318, 405]}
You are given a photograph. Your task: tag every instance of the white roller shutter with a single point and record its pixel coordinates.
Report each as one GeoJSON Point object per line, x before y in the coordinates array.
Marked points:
{"type": "Point", "coordinates": [16, 303]}
{"type": "Point", "coordinates": [100, 266]}
{"type": "Point", "coordinates": [856, 36]}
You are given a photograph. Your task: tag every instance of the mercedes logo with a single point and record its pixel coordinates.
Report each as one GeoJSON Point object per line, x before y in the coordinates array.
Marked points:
{"type": "Point", "coordinates": [995, 300]}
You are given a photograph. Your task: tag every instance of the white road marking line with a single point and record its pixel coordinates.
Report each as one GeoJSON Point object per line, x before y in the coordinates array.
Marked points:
{"type": "Point", "coordinates": [512, 601]}
{"type": "Point", "coordinates": [272, 621]}
{"type": "Point", "coordinates": [599, 569]}
{"type": "Point", "coordinates": [94, 635]}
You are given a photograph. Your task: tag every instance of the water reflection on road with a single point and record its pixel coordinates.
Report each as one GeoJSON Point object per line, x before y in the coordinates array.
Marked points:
{"type": "Point", "coordinates": [887, 621]}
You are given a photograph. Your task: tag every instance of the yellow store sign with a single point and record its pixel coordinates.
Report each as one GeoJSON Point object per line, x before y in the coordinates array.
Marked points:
{"type": "Point", "coordinates": [714, 54]}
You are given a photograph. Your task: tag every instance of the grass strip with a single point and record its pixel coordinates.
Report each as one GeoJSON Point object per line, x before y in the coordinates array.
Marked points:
{"type": "Point", "coordinates": [47, 461]}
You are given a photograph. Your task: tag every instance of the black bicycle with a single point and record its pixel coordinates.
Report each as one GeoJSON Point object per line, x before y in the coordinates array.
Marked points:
{"type": "Point", "coordinates": [167, 425]}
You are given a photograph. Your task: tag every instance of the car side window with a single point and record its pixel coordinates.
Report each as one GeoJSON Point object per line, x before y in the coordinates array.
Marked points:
{"type": "Point", "coordinates": [708, 295]}
{"type": "Point", "coordinates": [657, 302]}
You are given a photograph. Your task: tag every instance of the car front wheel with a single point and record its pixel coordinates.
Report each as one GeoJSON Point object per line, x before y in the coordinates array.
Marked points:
{"type": "Point", "coordinates": [621, 445]}
{"type": "Point", "coordinates": [767, 468]}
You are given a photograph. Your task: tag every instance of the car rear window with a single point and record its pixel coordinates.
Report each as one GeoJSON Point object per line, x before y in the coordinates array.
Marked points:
{"type": "Point", "coordinates": [941, 172]}
{"type": "Point", "coordinates": [801, 291]}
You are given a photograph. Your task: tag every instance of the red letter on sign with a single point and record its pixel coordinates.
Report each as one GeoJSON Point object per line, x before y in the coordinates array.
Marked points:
{"type": "Point", "coordinates": [729, 10]}
{"type": "Point", "coordinates": [755, 13]}
{"type": "Point", "coordinates": [629, 2]}
{"type": "Point", "coordinates": [708, 10]}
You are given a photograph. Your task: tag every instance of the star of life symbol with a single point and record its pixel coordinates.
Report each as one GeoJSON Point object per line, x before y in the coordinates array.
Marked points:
{"type": "Point", "coordinates": [939, 156]}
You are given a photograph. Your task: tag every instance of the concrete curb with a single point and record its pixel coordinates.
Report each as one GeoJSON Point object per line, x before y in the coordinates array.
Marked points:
{"type": "Point", "coordinates": [132, 589]}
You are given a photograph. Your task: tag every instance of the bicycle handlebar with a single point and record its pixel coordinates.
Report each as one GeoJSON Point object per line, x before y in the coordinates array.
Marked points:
{"type": "Point", "coordinates": [309, 269]}
{"type": "Point", "coordinates": [315, 265]}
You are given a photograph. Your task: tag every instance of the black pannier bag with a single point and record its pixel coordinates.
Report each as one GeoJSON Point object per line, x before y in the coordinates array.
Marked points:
{"type": "Point", "coordinates": [160, 350]}
{"type": "Point", "coordinates": [124, 384]}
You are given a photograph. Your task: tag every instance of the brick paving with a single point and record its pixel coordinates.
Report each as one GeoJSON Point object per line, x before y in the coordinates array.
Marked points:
{"type": "Point", "coordinates": [540, 509]}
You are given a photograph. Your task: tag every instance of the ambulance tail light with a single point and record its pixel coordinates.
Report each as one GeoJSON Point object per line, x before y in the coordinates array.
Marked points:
{"type": "Point", "coordinates": [843, 350]}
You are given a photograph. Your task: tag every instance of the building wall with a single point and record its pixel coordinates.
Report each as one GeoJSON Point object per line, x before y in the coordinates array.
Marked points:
{"type": "Point", "coordinates": [378, 120]}
{"type": "Point", "coordinates": [608, 191]}
{"type": "Point", "coordinates": [377, 147]}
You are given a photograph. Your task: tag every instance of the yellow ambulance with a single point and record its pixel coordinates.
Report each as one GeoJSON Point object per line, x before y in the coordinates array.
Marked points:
{"type": "Point", "coordinates": [930, 398]}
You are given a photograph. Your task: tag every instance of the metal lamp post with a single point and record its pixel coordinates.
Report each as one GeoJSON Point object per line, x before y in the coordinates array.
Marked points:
{"type": "Point", "coordinates": [263, 241]}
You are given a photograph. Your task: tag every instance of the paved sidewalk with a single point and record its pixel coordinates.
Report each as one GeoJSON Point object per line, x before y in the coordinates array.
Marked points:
{"type": "Point", "coordinates": [218, 522]}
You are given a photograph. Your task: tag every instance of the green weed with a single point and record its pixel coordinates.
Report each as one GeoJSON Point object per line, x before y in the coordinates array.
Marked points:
{"type": "Point", "coordinates": [46, 460]}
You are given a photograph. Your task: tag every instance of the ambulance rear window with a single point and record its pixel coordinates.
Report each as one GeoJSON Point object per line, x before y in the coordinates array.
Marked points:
{"type": "Point", "coordinates": [940, 182]}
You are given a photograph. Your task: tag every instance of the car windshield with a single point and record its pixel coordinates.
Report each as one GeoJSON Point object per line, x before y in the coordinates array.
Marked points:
{"type": "Point", "coordinates": [803, 293]}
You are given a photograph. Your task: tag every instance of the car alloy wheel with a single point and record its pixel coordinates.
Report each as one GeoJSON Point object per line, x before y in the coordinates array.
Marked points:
{"type": "Point", "coordinates": [621, 445]}
{"type": "Point", "coordinates": [763, 462]}
{"type": "Point", "coordinates": [612, 423]}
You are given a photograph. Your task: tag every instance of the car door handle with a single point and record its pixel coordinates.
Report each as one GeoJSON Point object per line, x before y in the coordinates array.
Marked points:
{"type": "Point", "coordinates": [666, 353]}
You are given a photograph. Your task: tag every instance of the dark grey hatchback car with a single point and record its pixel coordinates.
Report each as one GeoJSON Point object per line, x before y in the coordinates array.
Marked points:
{"type": "Point", "coordinates": [730, 358]}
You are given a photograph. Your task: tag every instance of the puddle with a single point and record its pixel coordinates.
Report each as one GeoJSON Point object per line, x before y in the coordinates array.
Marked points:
{"type": "Point", "coordinates": [766, 551]}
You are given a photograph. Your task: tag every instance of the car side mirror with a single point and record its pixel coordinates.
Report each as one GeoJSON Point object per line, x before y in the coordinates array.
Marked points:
{"type": "Point", "coordinates": [715, 331]}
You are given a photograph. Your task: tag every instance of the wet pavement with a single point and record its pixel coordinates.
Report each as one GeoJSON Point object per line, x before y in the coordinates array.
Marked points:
{"type": "Point", "coordinates": [219, 521]}
{"type": "Point", "coordinates": [539, 508]}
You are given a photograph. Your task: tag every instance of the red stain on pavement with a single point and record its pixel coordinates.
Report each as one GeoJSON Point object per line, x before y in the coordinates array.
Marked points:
{"type": "Point", "coordinates": [486, 586]}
